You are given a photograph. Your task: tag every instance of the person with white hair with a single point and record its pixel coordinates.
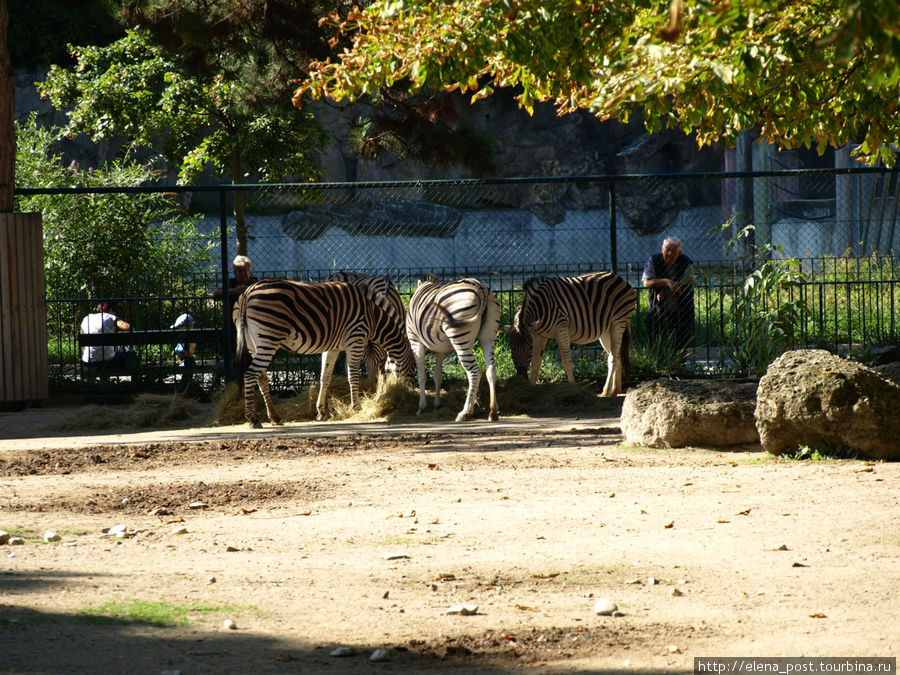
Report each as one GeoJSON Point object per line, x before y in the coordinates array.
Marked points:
{"type": "Point", "coordinates": [671, 315]}
{"type": "Point", "coordinates": [243, 277]}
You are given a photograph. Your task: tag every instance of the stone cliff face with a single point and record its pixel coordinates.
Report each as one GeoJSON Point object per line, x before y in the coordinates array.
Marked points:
{"type": "Point", "coordinates": [540, 145]}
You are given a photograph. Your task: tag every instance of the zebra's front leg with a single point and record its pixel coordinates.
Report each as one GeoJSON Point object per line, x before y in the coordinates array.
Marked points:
{"type": "Point", "coordinates": [355, 351]}
{"type": "Point", "coordinates": [487, 346]}
{"type": "Point", "coordinates": [419, 353]}
{"type": "Point", "coordinates": [565, 353]}
{"type": "Point", "coordinates": [438, 378]}
{"type": "Point", "coordinates": [537, 356]}
{"type": "Point", "coordinates": [328, 360]}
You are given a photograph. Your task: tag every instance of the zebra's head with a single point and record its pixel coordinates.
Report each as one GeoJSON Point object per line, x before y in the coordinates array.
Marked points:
{"type": "Point", "coordinates": [520, 344]}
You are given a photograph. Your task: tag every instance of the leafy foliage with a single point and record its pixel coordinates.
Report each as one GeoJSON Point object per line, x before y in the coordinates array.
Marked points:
{"type": "Point", "coordinates": [764, 323]}
{"type": "Point", "coordinates": [800, 72]}
{"type": "Point", "coordinates": [106, 245]}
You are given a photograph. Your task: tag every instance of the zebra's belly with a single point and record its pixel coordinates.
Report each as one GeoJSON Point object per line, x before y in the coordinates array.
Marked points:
{"type": "Point", "coordinates": [577, 334]}
{"type": "Point", "coordinates": [298, 344]}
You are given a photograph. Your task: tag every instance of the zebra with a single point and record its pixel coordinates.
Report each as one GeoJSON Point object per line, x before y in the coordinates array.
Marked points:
{"type": "Point", "coordinates": [450, 317]}
{"type": "Point", "coordinates": [310, 319]}
{"type": "Point", "coordinates": [374, 356]}
{"type": "Point", "coordinates": [574, 310]}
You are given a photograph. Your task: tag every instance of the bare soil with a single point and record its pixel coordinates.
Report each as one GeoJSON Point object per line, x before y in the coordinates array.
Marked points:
{"type": "Point", "coordinates": [315, 536]}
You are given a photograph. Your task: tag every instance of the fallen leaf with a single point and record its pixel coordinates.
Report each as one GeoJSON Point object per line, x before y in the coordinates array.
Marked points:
{"type": "Point", "coordinates": [283, 657]}
{"type": "Point", "coordinates": [722, 520]}
{"type": "Point", "coordinates": [818, 615]}
{"type": "Point", "coordinates": [435, 521]}
{"type": "Point", "coordinates": [545, 576]}
{"type": "Point", "coordinates": [669, 526]}
{"type": "Point", "coordinates": [796, 564]}
{"type": "Point", "coordinates": [525, 608]}
{"type": "Point", "coordinates": [745, 512]}
{"type": "Point", "coordinates": [178, 520]}
{"type": "Point", "coordinates": [306, 513]}
{"type": "Point", "coordinates": [243, 512]}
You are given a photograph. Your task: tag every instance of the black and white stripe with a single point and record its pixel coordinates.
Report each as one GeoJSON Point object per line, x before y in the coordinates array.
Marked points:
{"type": "Point", "coordinates": [446, 317]}
{"type": "Point", "coordinates": [375, 357]}
{"type": "Point", "coordinates": [324, 318]}
{"type": "Point", "coordinates": [575, 310]}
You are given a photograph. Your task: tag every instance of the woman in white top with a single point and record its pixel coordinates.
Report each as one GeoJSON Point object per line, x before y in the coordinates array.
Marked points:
{"type": "Point", "coordinates": [104, 320]}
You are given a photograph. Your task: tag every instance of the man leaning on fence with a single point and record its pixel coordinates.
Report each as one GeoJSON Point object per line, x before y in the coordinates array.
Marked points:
{"type": "Point", "coordinates": [670, 321]}
{"type": "Point", "coordinates": [243, 277]}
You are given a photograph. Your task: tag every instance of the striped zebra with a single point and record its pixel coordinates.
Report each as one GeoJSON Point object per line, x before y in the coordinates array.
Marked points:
{"type": "Point", "coordinates": [450, 317]}
{"type": "Point", "coordinates": [374, 356]}
{"type": "Point", "coordinates": [324, 318]}
{"type": "Point", "coordinates": [574, 310]}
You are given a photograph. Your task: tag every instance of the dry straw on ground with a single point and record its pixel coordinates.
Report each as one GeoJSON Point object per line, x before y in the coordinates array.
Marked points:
{"type": "Point", "coordinates": [393, 399]}
{"type": "Point", "coordinates": [147, 410]}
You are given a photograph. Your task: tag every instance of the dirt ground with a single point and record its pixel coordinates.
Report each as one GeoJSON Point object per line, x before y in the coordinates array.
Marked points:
{"type": "Point", "coordinates": [313, 537]}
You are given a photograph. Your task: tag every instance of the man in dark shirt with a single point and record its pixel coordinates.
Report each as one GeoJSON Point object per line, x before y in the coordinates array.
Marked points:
{"type": "Point", "coordinates": [243, 277]}
{"type": "Point", "coordinates": [671, 315]}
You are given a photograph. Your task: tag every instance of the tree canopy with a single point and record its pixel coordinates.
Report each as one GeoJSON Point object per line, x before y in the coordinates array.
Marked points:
{"type": "Point", "coordinates": [210, 81]}
{"type": "Point", "coordinates": [799, 72]}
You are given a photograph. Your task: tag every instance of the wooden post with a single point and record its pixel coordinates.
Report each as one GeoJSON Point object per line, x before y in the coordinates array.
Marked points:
{"type": "Point", "coordinates": [23, 309]}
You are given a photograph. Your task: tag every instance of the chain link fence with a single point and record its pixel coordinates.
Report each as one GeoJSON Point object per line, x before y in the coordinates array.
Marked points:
{"type": "Point", "coordinates": [840, 225]}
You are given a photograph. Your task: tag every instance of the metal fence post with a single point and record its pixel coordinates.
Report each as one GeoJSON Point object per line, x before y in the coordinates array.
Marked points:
{"type": "Point", "coordinates": [228, 347]}
{"type": "Point", "coordinates": [613, 244]}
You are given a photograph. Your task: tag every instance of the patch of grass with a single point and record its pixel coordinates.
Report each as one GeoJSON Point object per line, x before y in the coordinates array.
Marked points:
{"type": "Point", "coordinates": [162, 614]}
{"type": "Point", "coordinates": [825, 453]}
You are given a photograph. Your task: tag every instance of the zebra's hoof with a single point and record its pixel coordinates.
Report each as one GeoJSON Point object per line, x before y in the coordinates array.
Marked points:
{"type": "Point", "coordinates": [493, 416]}
{"type": "Point", "coordinates": [419, 412]}
{"type": "Point", "coordinates": [255, 424]}
{"type": "Point", "coordinates": [463, 416]}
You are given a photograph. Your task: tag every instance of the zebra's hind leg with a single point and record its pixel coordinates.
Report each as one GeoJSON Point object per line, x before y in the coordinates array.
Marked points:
{"type": "Point", "coordinates": [473, 372]}
{"type": "Point", "coordinates": [612, 343]}
{"type": "Point", "coordinates": [274, 417]}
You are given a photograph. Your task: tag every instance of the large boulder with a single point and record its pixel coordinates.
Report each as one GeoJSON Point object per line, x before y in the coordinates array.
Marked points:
{"type": "Point", "coordinates": [810, 397]}
{"type": "Point", "coordinates": [681, 413]}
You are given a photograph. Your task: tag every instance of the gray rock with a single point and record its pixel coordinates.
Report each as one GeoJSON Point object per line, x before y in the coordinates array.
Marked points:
{"type": "Point", "coordinates": [810, 397]}
{"type": "Point", "coordinates": [689, 412]}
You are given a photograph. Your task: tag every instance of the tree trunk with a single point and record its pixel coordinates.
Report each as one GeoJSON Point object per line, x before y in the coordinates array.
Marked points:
{"type": "Point", "coordinates": [240, 223]}
{"type": "Point", "coordinates": [7, 118]}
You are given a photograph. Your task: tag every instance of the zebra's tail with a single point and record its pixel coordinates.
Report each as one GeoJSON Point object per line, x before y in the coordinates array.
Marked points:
{"type": "Point", "coordinates": [626, 355]}
{"type": "Point", "coordinates": [241, 350]}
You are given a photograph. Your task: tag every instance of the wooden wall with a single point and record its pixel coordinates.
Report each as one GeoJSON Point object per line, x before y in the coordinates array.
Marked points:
{"type": "Point", "coordinates": [23, 309]}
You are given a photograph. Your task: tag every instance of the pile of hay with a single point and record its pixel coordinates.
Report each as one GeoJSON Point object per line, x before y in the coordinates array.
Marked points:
{"type": "Point", "coordinates": [147, 411]}
{"type": "Point", "coordinates": [396, 399]}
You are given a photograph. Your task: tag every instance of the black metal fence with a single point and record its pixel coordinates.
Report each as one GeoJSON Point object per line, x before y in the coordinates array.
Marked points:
{"type": "Point", "coordinates": [840, 225]}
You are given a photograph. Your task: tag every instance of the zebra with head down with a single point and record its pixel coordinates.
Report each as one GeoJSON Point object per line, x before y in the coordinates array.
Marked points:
{"type": "Point", "coordinates": [375, 357]}
{"type": "Point", "coordinates": [449, 317]}
{"type": "Point", "coordinates": [574, 310]}
{"type": "Point", "coordinates": [324, 318]}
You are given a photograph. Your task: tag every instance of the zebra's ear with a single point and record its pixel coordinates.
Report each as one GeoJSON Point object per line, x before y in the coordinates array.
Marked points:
{"type": "Point", "coordinates": [506, 329]}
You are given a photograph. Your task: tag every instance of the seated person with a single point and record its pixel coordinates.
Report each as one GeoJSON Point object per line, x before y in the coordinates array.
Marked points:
{"type": "Point", "coordinates": [184, 352]}
{"type": "Point", "coordinates": [105, 320]}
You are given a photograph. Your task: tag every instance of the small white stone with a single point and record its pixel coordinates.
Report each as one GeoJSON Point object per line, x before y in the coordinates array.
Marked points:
{"type": "Point", "coordinates": [380, 655]}
{"type": "Point", "coordinates": [51, 536]}
{"type": "Point", "coordinates": [118, 531]}
{"type": "Point", "coordinates": [342, 651]}
{"type": "Point", "coordinates": [180, 529]}
{"type": "Point", "coordinates": [652, 581]}
{"type": "Point", "coordinates": [463, 610]}
{"type": "Point", "coordinates": [605, 607]}
{"type": "Point", "coordinates": [197, 505]}
{"type": "Point", "coordinates": [228, 624]}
